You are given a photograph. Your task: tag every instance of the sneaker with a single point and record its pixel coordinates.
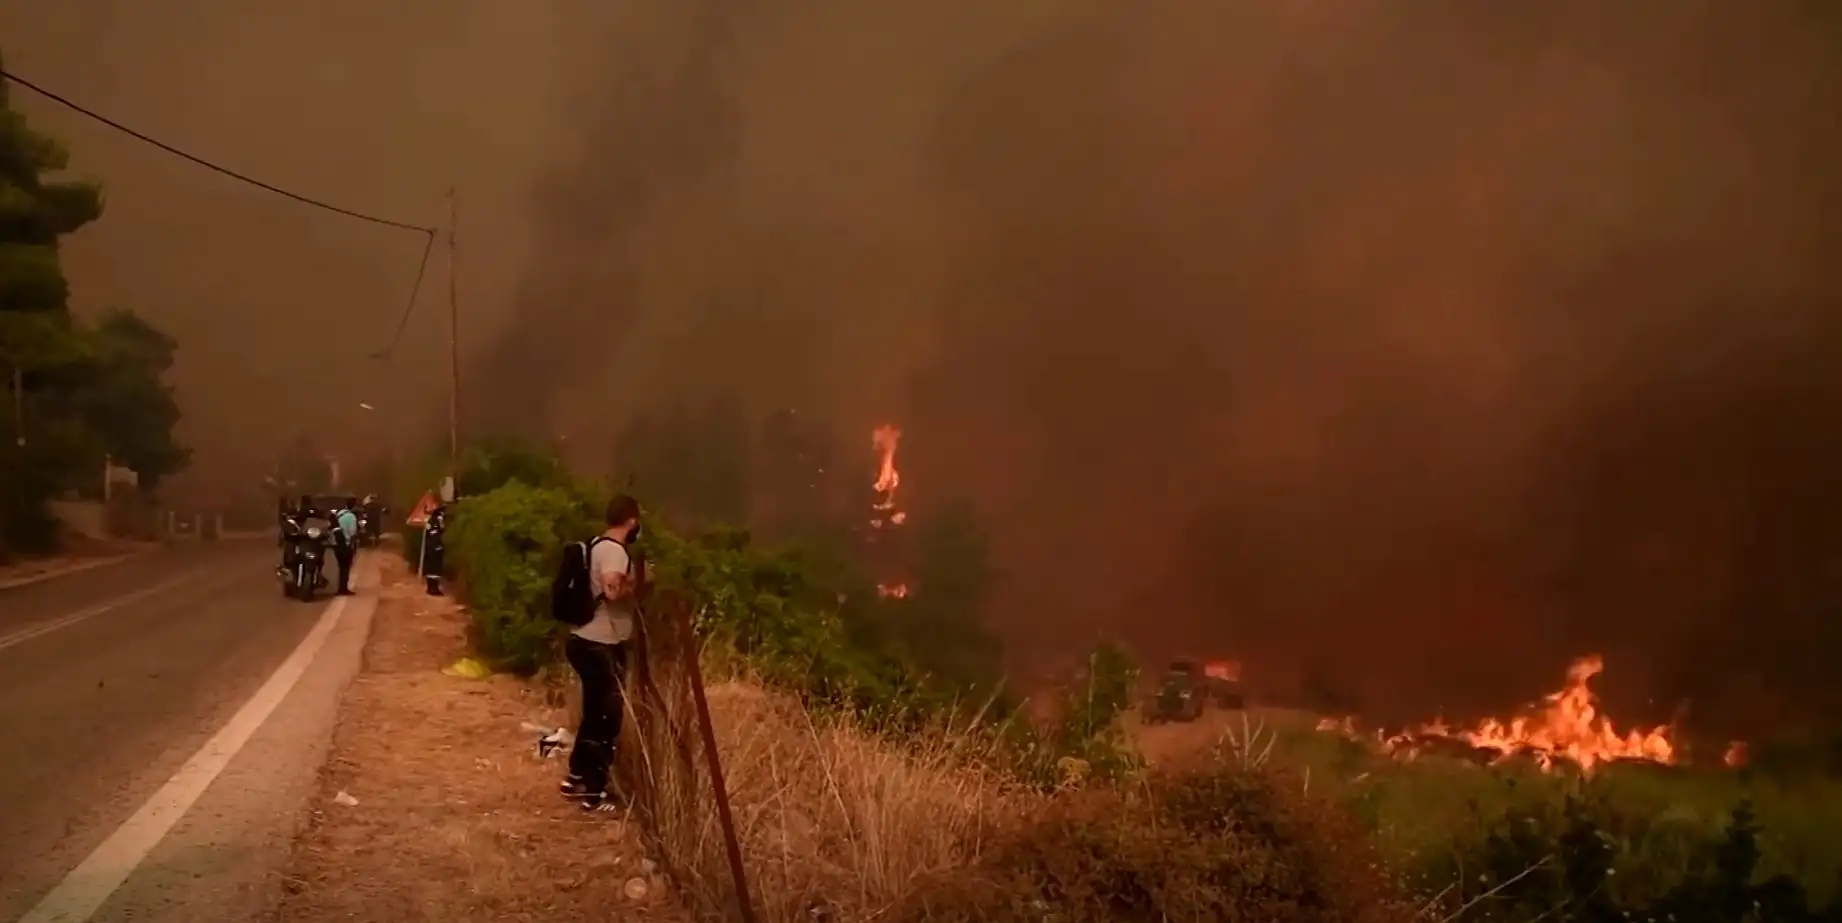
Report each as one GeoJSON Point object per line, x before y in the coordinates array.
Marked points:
{"type": "Point", "coordinates": [576, 788]}
{"type": "Point", "coordinates": [603, 803]}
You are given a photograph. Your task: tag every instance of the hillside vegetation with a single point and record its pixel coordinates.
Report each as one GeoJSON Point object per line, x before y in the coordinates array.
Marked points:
{"type": "Point", "coordinates": [874, 779]}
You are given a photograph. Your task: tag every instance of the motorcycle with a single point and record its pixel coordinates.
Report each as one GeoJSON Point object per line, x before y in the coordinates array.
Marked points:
{"type": "Point", "coordinates": [305, 574]}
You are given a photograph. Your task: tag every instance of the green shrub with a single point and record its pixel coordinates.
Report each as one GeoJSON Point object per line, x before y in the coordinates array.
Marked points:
{"type": "Point", "coordinates": [485, 466]}
{"type": "Point", "coordinates": [412, 548]}
{"type": "Point", "coordinates": [1453, 828]}
{"type": "Point", "coordinates": [506, 544]}
{"type": "Point", "coordinates": [766, 608]}
{"type": "Point", "coordinates": [1593, 859]}
{"type": "Point", "coordinates": [798, 621]}
{"type": "Point", "coordinates": [1085, 740]}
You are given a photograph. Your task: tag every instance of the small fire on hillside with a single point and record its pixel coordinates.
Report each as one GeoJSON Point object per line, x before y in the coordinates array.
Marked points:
{"type": "Point", "coordinates": [1566, 727]}
{"type": "Point", "coordinates": [884, 514]}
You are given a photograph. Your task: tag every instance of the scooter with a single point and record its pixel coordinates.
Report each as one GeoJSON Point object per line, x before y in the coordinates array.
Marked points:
{"type": "Point", "coordinates": [305, 575]}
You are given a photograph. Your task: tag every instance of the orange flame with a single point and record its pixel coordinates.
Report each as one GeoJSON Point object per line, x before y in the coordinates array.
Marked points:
{"type": "Point", "coordinates": [1567, 726]}
{"type": "Point", "coordinates": [1736, 755]}
{"type": "Point", "coordinates": [885, 439]}
{"type": "Point", "coordinates": [892, 590]}
{"type": "Point", "coordinates": [1226, 670]}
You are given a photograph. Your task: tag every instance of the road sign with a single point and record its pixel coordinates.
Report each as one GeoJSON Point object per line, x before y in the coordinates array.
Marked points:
{"type": "Point", "coordinates": [419, 514]}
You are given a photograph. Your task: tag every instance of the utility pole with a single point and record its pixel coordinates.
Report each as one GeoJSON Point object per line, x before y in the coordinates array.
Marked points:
{"type": "Point", "coordinates": [19, 406]}
{"type": "Point", "coordinates": [454, 380]}
{"type": "Point", "coordinates": [19, 437]}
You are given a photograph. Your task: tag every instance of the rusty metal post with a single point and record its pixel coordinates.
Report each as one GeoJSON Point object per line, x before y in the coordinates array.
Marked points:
{"type": "Point", "coordinates": [718, 788]}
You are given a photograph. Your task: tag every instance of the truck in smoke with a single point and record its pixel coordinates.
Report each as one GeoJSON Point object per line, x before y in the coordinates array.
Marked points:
{"type": "Point", "coordinates": [1188, 688]}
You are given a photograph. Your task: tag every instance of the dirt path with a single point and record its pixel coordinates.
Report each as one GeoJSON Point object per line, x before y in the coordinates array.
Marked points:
{"type": "Point", "coordinates": [456, 819]}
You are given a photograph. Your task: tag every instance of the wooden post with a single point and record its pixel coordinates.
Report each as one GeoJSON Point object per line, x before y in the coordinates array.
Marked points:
{"type": "Point", "coordinates": [454, 379]}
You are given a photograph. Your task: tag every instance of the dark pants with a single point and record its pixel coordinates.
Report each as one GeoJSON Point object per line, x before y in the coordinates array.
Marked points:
{"type": "Point", "coordinates": [345, 555]}
{"type": "Point", "coordinates": [602, 668]}
{"type": "Point", "coordinates": [432, 563]}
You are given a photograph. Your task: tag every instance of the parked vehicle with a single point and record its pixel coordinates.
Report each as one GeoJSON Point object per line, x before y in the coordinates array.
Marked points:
{"type": "Point", "coordinates": [1179, 695]}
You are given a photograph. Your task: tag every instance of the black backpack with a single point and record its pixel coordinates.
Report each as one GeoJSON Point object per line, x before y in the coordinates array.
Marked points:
{"type": "Point", "coordinates": [572, 598]}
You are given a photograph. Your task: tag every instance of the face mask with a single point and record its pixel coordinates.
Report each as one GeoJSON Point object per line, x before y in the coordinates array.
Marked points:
{"type": "Point", "coordinates": [633, 534]}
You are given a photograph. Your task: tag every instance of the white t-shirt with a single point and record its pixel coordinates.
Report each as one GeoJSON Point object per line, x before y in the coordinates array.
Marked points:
{"type": "Point", "coordinates": [613, 621]}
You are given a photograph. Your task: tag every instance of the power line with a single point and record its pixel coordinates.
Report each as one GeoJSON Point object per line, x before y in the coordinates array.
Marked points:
{"type": "Point", "coordinates": [410, 308]}
{"type": "Point", "coordinates": [305, 200]}
{"type": "Point", "coordinates": [428, 232]}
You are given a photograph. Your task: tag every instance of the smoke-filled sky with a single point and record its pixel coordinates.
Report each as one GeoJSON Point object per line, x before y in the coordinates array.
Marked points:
{"type": "Point", "coordinates": [1420, 344]}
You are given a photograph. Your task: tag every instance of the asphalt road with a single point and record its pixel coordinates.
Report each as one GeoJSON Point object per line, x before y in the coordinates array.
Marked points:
{"type": "Point", "coordinates": [111, 680]}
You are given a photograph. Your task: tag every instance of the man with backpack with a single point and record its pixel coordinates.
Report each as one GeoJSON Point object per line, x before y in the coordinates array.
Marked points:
{"type": "Point", "coordinates": [595, 593]}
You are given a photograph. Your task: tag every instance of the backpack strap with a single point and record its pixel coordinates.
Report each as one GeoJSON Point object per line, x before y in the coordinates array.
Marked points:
{"type": "Point", "coordinates": [588, 561]}
{"type": "Point", "coordinates": [631, 574]}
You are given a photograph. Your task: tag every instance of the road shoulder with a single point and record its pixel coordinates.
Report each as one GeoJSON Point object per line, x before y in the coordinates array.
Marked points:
{"type": "Point", "coordinates": [225, 857]}
{"type": "Point", "coordinates": [448, 814]}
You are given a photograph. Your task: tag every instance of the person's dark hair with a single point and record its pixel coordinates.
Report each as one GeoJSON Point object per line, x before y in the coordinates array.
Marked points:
{"type": "Point", "coordinates": [622, 508]}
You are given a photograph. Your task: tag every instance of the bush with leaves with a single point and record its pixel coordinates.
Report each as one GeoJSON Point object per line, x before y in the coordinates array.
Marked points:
{"type": "Point", "coordinates": [484, 467]}
{"type": "Point", "coordinates": [506, 543]}
{"type": "Point", "coordinates": [1083, 741]}
{"type": "Point", "coordinates": [767, 609]}
{"type": "Point", "coordinates": [789, 617]}
{"type": "Point", "coordinates": [1458, 832]}
{"type": "Point", "coordinates": [1589, 859]}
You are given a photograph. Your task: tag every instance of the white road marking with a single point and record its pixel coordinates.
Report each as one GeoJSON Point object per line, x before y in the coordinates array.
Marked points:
{"type": "Point", "coordinates": [83, 892]}
{"type": "Point", "coordinates": [65, 621]}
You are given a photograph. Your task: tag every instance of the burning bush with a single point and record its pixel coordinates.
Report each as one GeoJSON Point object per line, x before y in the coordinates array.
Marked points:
{"type": "Point", "coordinates": [1458, 833]}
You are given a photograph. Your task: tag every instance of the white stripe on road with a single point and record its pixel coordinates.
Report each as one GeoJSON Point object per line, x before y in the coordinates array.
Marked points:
{"type": "Point", "coordinates": [65, 621]}
{"type": "Point", "coordinates": [77, 898]}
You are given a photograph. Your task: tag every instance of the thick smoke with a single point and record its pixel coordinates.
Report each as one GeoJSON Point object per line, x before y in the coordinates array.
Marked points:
{"type": "Point", "coordinates": [1424, 347]}
{"type": "Point", "coordinates": [1409, 348]}
{"type": "Point", "coordinates": [657, 120]}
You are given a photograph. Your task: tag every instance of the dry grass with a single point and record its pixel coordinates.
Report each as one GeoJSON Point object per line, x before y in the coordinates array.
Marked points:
{"type": "Point", "coordinates": [834, 823]}
{"type": "Point", "coordinates": [456, 819]}
{"type": "Point", "coordinates": [838, 824]}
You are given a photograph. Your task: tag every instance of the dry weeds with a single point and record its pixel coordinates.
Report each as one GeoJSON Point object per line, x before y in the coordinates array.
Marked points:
{"type": "Point", "coordinates": [456, 819]}
{"type": "Point", "coordinates": [835, 823]}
